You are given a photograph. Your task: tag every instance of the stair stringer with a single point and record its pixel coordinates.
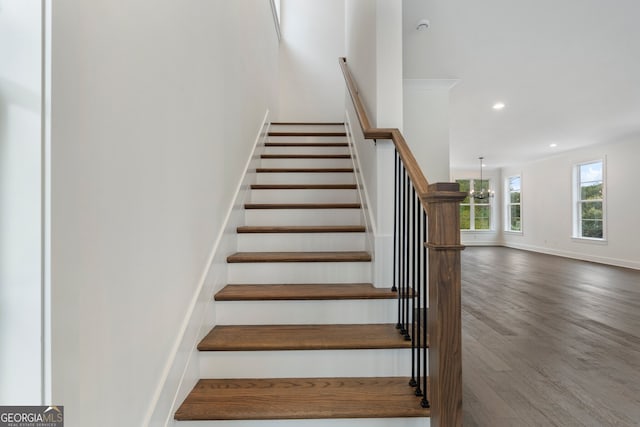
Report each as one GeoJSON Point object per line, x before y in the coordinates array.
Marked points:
{"type": "Point", "coordinates": [182, 369]}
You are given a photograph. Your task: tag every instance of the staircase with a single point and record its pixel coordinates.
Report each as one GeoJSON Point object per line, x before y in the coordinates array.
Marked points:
{"type": "Point", "coordinates": [301, 333]}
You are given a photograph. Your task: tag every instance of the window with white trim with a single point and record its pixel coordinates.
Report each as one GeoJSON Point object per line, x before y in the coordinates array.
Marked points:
{"type": "Point", "coordinates": [475, 214]}
{"type": "Point", "coordinates": [514, 203]}
{"type": "Point", "coordinates": [589, 198]}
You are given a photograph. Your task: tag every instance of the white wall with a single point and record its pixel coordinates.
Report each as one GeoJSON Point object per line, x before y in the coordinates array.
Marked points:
{"type": "Point", "coordinates": [419, 47]}
{"type": "Point", "coordinates": [547, 205]}
{"type": "Point", "coordinates": [313, 38]}
{"type": "Point", "coordinates": [360, 41]}
{"type": "Point", "coordinates": [426, 96]}
{"type": "Point", "coordinates": [155, 107]}
{"type": "Point", "coordinates": [360, 35]}
{"type": "Point", "coordinates": [374, 56]}
{"type": "Point", "coordinates": [20, 202]}
{"type": "Point", "coordinates": [426, 125]}
{"type": "Point", "coordinates": [389, 64]}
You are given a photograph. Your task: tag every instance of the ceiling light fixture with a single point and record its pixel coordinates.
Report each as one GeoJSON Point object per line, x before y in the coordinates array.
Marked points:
{"type": "Point", "coordinates": [553, 145]}
{"type": "Point", "coordinates": [484, 193]}
{"type": "Point", "coordinates": [499, 106]}
{"type": "Point", "coordinates": [422, 25]}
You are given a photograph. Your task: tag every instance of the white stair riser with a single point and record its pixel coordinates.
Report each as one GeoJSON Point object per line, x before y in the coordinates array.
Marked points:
{"type": "Point", "coordinates": [300, 272]}
{"type": "Point", "coordinates": [308, 242]}
{"type": "Point", "coordinates": [304, 196]}
{"type": "Point", "coordinates": [306, 128]}
{"type": "Point", "coordinates": [355, 422]}
{"type": "Point", "coordinates": [306, 178]}
{"type": "Point", "coordinates": [306, 312]}
{"type": "Point", "coordinates": [307, 138]}
{"type": "Point", "coordinates": [306, 150]}
{"type": "Point", "coordinates": [305, 363]}
{"type": "Point", "coordinates": [306, 163]}
{"type": "Point", "coordinates": [303, 217]}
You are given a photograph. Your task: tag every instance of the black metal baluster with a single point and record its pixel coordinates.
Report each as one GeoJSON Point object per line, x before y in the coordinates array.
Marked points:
{"type": "Point", "coordinates": [401, 199]}
{"type": "Point", "coordinates": [411, 263]}
{"type": "Point", "coordinates": [401, 248]}
{"type": "Point", "coordinates": [402, 254]}
{"type": "Point", "coordinates": [425, 291]}
{"type": "Point", "coordinates": [417, 295]}
{"type": "Point", "coordinates": [410, 296]}
{"type": "Point", "coordinates": [396, 181]}
{"type": "Point", "coordinates": [407, 243]}
{"type": "Point", "coordinates": [415, 236]}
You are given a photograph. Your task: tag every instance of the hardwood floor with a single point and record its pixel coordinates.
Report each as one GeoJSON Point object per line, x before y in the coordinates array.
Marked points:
{"type": "Point", "coordinates": [549, 341]}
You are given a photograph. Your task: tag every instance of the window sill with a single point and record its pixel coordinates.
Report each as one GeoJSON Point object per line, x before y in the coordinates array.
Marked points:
{"type": "Point", "coordinates": [590, 240]}
{"type": "Point", "coordinates": [515, 233]}
{"type": "Point", "coordinates": [478, 231]}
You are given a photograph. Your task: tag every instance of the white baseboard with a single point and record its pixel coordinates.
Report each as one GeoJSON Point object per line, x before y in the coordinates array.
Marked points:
{"type": "Point", "coordinates": [481, 243]}
{"type": "Point", "coordinates": [181, 371]}
{"type": "Point", "coordinates": [575, 255]}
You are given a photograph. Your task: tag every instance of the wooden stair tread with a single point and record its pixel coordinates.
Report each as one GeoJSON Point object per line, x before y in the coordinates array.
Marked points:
{"type": "Point", "coordinates": [302, 206]}
{"type": "Point", "coordinates": [303, 337]}
{"type": "Point", "coordinates": [305, 156]}
{"type": "Point", "coordinates": [304, 170]}
{"type": "Point", "coordinates": [304, 187]}
{"type": "Point", "coordinates": [301, 398]}
{"type": "Point", "coordinates": [346, 256]}
{"type": "Point", "coordinates": [306, 144]}
{"type": "Point", "coordinates": [301, 229]}
{"type": "Point", "coordinates": [307, 291]}
{"type": "Point", "coordinates": [278, 133]}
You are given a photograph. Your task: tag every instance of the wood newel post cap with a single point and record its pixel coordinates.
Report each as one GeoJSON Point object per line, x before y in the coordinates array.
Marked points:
{"type": "Point", "coordinates": [443, 192]}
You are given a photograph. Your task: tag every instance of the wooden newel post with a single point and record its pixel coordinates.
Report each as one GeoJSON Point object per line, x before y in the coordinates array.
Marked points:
{"type": "Point", "coordinates": [445, 314]}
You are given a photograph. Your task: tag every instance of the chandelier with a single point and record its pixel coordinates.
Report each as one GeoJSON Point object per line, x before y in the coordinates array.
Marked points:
{"type": "Point", "coordinates": [484, 193]}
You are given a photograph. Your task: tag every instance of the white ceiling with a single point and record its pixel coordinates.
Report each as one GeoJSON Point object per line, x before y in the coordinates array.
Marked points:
{"type": "Point", "coordinates": [567, 71]}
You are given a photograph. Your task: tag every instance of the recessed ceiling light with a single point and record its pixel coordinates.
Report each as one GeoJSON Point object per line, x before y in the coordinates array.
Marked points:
{"type": "Point", "coordinates": [498, 106]}
{"type": "Point", "coordinates": [553, 145]}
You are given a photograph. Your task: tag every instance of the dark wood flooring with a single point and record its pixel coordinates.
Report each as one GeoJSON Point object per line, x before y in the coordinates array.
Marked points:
{"type": "Point", "coordinates": [549, 341]}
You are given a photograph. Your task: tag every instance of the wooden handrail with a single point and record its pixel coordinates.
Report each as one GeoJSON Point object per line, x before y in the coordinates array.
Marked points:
{"type": "Point", "coordinates": [418, 179]}
{"type": "Point", "coordinates": [441, 202]}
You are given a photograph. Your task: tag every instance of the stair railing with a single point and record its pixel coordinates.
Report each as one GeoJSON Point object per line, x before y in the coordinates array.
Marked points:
{"type": "Point", "coordinates": [426, 273]}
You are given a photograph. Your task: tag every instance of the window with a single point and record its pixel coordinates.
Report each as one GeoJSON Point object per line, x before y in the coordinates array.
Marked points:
{"type": "Point", "coordinates": [474, 214]}
{"type": "Point", "coordinates": [589, 200]}
{"type": "Point", "coordinates": [514, 203]}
